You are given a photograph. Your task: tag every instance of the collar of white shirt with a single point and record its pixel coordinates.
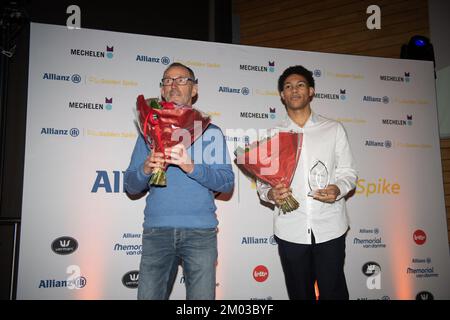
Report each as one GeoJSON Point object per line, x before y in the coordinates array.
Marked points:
{"type": "Point", "coordinates": [287, 122]}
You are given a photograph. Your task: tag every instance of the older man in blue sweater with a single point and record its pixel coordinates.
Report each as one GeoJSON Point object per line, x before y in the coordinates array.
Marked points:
{"type": "Point", "coordinates": [180, 223]}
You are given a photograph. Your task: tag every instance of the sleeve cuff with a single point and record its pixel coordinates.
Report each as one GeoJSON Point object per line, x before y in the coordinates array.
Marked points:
{"type": "Point", "coordinates": [196, 173]}
{"type": "Point", "coordinates": [342, 191]}
{"type": "Point", "coordinates": [141, 174]}
{"type": "Point", "coordinates": [263, 190]}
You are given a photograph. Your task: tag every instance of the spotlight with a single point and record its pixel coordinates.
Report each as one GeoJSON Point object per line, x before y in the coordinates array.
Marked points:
{"type": "Point", "coordinates": [418, 48]}
{"type": "Point", "coordinates": [419, 42]}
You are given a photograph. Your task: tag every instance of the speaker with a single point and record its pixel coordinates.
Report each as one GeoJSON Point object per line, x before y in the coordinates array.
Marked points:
{"type": "Point", "coordinates": [418, 48]}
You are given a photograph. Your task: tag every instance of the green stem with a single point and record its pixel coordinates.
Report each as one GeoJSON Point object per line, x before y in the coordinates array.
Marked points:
{"type": "Point", "coordinates": [158, 178]}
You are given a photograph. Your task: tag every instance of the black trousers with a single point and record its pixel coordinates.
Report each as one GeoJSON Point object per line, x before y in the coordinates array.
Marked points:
{"type": "Point", "coordinates": [303, 264]}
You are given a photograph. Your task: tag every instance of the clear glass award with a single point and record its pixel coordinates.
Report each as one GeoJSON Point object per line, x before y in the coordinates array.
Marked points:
{"type": "Point", "coordinates": [318, 177]}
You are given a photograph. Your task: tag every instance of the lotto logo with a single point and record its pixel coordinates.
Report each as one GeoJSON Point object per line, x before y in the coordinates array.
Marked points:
{"type": "Point", "coordinates": [260, 273]}
{"type": "Point", "coordinates": [419, 237]}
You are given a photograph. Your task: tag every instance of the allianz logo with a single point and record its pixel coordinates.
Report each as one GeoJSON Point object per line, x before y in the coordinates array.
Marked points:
{"type": "Point", "coordinates": [374, 230]}
{"type": "Point", "coordinates": [258, 240]}
{"type": "Point", "coordinates": [384, 99]}
{"type": "Point", "coordinates": [64, 245]}
{"type": "Point", "coordinates": [144, 58]}
{"type": "Point", "coordinates": [75, 78]}
{"type": "Point", "coordinates": [244, 90]}
{"type": "Point", "coordinates": [74, 132]}
{"type": "Point", "coordinates": [382, 298]}
{"type": "Point", "coordinates": [381, 144]}
{"type": "Point", "coordinates": [70, 283]}
{"type": "Point", "coordinates": [265, 298]}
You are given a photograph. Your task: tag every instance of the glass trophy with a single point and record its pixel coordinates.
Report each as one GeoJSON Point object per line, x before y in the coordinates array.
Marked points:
{"type": "Point", "coordinates": [318, 177]}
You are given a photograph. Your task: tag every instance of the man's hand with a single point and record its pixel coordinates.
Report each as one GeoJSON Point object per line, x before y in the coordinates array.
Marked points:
{"type": "Point", "coordinates": [328, 195]}
{"type": "Point", "coordinates": [178, 155]}
{"type": "Point", "coordinates": [154, 160]}
{"type": "Point", "coordinates": [279, 193]}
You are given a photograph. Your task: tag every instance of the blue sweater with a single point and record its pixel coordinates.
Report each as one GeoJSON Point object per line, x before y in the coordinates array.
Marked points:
{"type": "Point", "coordinates": [188, 199]}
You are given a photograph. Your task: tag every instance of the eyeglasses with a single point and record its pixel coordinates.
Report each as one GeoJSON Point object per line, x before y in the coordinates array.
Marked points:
{"type": "Point", "coordinates": [180, 81]}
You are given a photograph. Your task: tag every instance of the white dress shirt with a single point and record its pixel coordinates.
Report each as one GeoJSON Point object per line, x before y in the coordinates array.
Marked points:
{"type": "Point", "coordinates": [324, 140]}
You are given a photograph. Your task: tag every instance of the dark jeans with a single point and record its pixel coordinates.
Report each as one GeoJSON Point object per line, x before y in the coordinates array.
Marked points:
{"type": "Point", "coordinates": [164, 248]}
{"type": "Point", "coordinates": [303, 264]}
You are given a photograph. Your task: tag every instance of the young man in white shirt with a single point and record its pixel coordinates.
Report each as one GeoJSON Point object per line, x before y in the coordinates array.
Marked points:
{"type": "Point", "coordinates": [311, 239]}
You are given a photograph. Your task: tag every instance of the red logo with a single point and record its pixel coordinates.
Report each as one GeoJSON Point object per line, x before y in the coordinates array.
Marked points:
{"type": "Point", "coordinates": [419, 237]}
{"type": "Point", "coordinates": [260, 273]}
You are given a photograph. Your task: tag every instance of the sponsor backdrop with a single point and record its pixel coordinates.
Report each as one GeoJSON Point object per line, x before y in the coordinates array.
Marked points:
{"type": "Point", "coordinates": [81, 233]}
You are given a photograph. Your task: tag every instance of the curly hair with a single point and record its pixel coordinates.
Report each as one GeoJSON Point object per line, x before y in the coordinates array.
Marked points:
{"type": "Point", "coordinates": [300, 70]}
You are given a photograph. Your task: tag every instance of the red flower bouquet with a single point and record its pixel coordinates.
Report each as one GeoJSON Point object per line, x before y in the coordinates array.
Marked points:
{"type": "Point", "coordinates": [164, 124]}
{"type": "Point", "coordinates": [273, 161]}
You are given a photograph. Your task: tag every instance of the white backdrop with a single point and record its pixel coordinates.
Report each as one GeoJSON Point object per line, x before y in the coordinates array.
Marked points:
{"type": "Point", "coordinates": [80, 236]}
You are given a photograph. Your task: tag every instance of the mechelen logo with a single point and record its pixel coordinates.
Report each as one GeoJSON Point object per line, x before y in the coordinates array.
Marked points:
{"type": "Point", "coordinates": [75, 78]}
{"type": "Point", "coordinates": [244, 90]}
{"type": "Point", "coordinates": [369, 239]}
{"type": "Point", "coordinates": [380, 144]}
{"type": "Point", "coordinates": [64, 245]}
{"type": "Point", "coordinates": [107, 182]}
{"type": "Point", "coordinates": [260, 273]}
{"type": "Point", "coordinates": [258, 240]}
{"type": "Point", "coordinates": [269, 68]}
{"type": "Point", "coordinates": [384, 99]}
{"type": "Point", "coordinates": [399, 122]}
{"type": "Point", "coordinates": [74, 132]}
{"type": "Point", "coordinates": [109, 53]}
{"type": "Point", "coordinates": [342, 95]}
{"type": "Point", "coordinates": [131, 279]}
{"type": "Point", "coordinates": [259, 115]}
{"type": "Point", "coordinates": [419, 237]}
{"type": "Point", "coordinates": [149, 59]}
{"type": "Point", "coordinates": [404, 78]}
{"type": "Point", "coordinates": [85, 105]}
